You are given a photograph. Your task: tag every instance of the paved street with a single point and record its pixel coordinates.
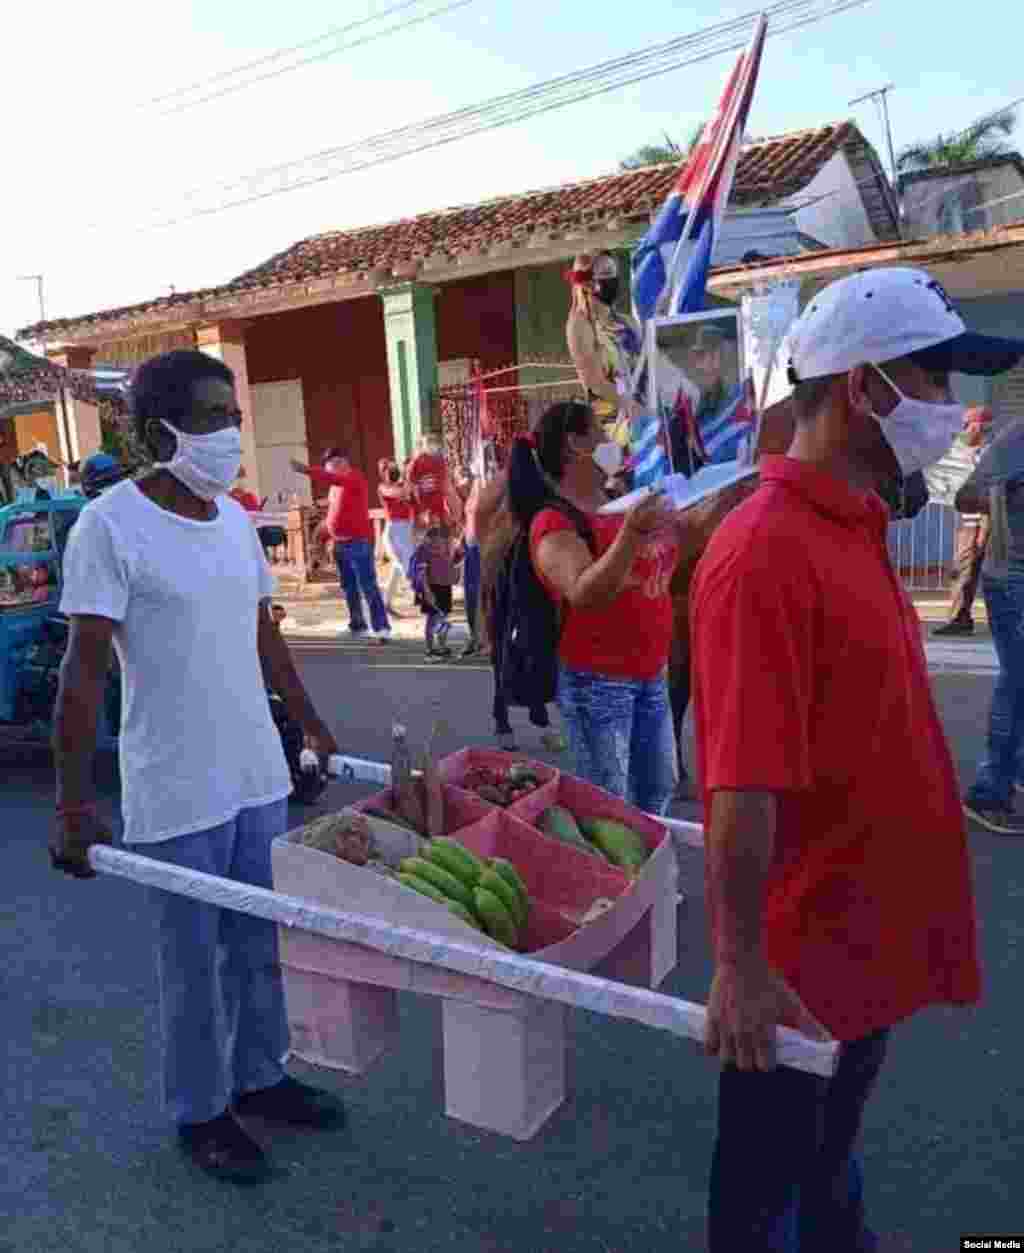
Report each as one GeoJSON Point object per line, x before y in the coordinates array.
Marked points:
{"type": "Point", "coordinates": [86, 1163]}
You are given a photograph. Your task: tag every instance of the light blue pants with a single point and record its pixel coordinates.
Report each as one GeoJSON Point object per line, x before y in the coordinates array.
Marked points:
{"type": "Point", "coordinates": [620, 736]}
{"type": "Point", "coordinates": [222, 1013]}
{"type": "Point", "coordinates": [993, 787]}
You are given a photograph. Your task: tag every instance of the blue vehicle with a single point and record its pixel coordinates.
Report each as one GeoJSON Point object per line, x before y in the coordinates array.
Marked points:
{"type": "Point", "coordinates": [34, 634]}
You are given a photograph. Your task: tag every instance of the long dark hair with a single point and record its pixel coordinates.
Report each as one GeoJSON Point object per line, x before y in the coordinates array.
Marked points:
{"type": "Point", "coordinates": [538, 462]}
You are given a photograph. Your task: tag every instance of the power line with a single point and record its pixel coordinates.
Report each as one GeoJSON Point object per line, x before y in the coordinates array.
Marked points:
{"type": "Point", "coordinates": [270, 57]}
{"type": "Point", "coordinates": [372, 37]}
{"type": "Point", "coordinates": [513, 107]}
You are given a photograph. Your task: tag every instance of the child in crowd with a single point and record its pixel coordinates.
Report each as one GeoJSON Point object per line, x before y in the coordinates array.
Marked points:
{"type": "Point", "coordinates": [433, 573]}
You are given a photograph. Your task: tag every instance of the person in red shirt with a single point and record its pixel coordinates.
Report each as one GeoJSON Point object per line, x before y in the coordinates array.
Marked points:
{"type": "Point", "coordinates": [249, 501]}
{"type": "Point", "coordinates": [398, 539]}
{"type": "Point", "coordinates": [350, 527]}
{"type": "Point", "coordinates": [617, 614]}
{"type": "Point", "coordinates": [829, 790]}
{"type": "Point", "coordinates": [429, 484]}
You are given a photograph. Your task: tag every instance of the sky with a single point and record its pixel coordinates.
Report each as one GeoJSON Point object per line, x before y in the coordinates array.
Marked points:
{"type": "Point", "coordinates": [88, 162]}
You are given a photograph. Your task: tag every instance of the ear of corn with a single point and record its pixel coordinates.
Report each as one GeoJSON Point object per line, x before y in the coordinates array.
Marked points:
{"type": "Point", "coordinates": [618, 843]}
{"type": "Point", "coordinates": [561, 825]}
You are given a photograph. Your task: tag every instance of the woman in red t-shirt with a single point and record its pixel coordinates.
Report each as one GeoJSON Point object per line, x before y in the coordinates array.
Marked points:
{"type": "Point", "coordinates": [617, 614]}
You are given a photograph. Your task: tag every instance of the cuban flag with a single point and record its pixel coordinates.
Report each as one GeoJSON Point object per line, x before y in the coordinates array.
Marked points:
{"type": "Point", "coordinates": [671, 262]}
{"type": "Point", "coordinates": [726, 435]}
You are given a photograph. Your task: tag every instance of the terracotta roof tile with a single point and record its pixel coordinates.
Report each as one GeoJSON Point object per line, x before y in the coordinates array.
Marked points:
{"type": "Point", "coordinates": [769, 170]}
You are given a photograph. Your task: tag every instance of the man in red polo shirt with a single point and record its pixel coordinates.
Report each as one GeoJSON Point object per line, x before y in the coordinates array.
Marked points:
{"type": "Point", "coordinates": [838, 877]}
{"type": "Point", "coordinates": [350, 527]}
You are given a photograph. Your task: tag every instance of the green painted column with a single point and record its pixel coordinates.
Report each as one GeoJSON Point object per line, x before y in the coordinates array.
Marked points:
{"type": "Point", "coordinates": [411, 335]}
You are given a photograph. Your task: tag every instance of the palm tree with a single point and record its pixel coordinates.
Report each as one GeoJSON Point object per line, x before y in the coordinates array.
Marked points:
{"type": "Point", "coordinates": [666, 153]}
{"type": "Point", "coordinates": [986, 138]}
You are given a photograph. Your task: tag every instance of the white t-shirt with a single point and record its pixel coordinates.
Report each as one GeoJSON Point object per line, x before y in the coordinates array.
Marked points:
{"type": "Point", "coordinates": [198, 743]}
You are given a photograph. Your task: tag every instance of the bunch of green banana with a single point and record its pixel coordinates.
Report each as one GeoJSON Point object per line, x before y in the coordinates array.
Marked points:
{"type": "Point", "coordinates": [488, 895]}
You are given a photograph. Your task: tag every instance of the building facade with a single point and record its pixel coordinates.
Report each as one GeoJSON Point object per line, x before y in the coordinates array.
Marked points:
{"type": "Point", "coordinates": [344, 338]}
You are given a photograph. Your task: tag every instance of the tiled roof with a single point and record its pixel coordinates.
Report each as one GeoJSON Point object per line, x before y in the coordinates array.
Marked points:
{"type": "Point", "coordinates": [769, 170]}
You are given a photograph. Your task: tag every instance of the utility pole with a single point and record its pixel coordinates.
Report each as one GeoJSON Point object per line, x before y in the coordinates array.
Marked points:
{"type": "Point", "coordinates": [38, 280]}
{"type": "Point", "coordinates": [881, 98]}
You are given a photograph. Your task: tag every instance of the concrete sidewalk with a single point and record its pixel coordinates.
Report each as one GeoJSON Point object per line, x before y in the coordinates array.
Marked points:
{"type": "Point", "coordinates": [319, 613]}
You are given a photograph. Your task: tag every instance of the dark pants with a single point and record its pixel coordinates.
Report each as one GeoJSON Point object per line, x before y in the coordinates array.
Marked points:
{"type": "Point", "coordinates": [471, 585]}
{"type": "Point", "coordinates": [436, 611]}
{"type": "Point", "coordinates": [971, 539]}
{"type": "Point", "coordinates": [499, 709]}
{"type": "Point", "coordinates": [358, 576]}
{"type": "Point", "coordinates": [679, 698]}
{"type": "Point", "coordinates": [784, 1177]}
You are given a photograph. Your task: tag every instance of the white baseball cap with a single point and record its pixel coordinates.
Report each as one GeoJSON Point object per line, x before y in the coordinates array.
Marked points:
{"type": "Point", "coordinates": [880, 315]}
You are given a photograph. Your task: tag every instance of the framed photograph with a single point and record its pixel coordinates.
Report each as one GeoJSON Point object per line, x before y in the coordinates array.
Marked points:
{"type": "Point", "coordinates": [697, 379]}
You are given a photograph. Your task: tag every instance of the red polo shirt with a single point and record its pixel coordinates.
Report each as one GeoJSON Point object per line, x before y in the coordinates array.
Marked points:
{"type": "Point", "coordinates": [631, 637]}
{"type": "Point", "coordinates": [348, 504]}
{"type": "Point", "coordinates": [428, 477]}
{"type": "Point", "coordinates": [810, 682]}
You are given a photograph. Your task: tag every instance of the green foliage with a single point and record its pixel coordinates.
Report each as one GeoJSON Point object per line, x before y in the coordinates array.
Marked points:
{"type": "Point", "coordinates": [987, 138]}
{"type": "Point", "coordinates": [668, 152]}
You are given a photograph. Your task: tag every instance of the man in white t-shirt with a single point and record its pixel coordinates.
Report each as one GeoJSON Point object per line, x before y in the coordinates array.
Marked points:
{"type": "Point", "coordinates": [169, 570]}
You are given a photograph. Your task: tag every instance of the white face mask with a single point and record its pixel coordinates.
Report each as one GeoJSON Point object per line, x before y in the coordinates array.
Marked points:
{"type": "Point", "coordinates": [918, 431]}
{"type": "Point", "coordinates": [206, 464]}
{"type": "Point", "coordinates": [608, 458]}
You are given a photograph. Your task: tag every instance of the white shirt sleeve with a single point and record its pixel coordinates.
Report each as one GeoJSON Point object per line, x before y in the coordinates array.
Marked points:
{"type": "Point", "coordinates": [266, 576]}
{"type": "Point", "coordinates": [96, 575]}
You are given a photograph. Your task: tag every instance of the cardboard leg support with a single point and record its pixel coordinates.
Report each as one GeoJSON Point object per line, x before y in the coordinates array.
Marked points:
{"type": "Point", "coordinates": [504, 1070]}
{"type": "Point", "coordinates": [337, 1023]}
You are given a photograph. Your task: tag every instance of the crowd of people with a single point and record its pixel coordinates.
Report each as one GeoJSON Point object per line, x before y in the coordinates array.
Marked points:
{"type": "Point", "coordinates": [825, 776]}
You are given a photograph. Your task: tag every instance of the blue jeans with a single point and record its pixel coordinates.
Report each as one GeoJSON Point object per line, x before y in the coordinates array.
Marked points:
{"type": "Point", "coordinates": [993, 787]}
{"type": "Point", "coordinates": [222, 1012]}
{"type": "Point", "coordinates": [620, 736]}
{"type": "Point", "coordinates": [784, 1177]}
{"type": "Point", "coordinates": [358, 574]}
{"type": "Point", "coordinates": [471, 584]}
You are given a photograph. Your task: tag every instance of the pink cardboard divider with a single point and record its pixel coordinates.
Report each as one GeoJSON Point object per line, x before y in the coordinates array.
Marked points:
{"type": "Point", "coordinates": [555, 874]}
{"type": "Point", "coordinates": [562, 884]}
{"type": "Point", "coordinates": [455, 768]}
{"type": "Point", "coordinates": [648, 909]}
{"type": "Point", "coordinates": [461, 809]}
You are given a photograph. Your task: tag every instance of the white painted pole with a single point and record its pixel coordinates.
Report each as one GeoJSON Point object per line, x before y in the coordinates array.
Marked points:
{"type": "Point", "coordinates": [509, 970]}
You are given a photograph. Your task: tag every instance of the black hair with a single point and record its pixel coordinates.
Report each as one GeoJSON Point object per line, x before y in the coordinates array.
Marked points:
{"type": "Point", "coordinates": [162, 387]}
{"type": "Point", "coordinates": [334, 453]}
{"type": "Point", "coordinates": [528, 489]}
